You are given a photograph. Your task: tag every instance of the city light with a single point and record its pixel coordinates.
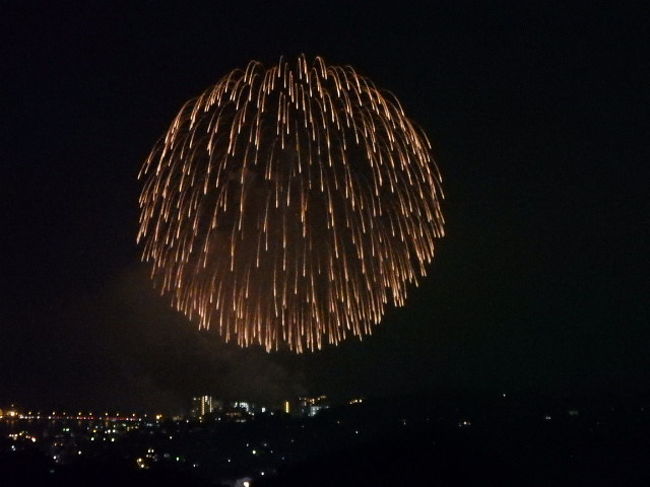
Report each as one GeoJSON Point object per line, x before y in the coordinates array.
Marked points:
{"type": "Point", "coordinates": [68, 438]}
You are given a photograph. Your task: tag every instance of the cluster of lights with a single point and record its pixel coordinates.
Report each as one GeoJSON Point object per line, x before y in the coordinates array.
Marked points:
{"type": "Point", "coordinates": [23, 435]}
{"type": "Point", "coordinates": [9, 413]}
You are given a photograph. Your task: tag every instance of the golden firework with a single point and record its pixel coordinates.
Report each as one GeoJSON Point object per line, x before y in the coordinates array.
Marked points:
{"type": "Point", "coordinates": [290, 205]}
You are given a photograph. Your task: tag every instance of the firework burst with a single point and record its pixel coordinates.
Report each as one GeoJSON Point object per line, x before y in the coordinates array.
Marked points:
{"type": "Point", "coordinates": [290, 205]}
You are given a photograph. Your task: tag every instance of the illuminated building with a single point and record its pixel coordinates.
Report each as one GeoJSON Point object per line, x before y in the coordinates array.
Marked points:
{"type": "Point", "coordinates": [311, 406]}
{"type": "Point", "coordinates": [246, 406]}
{"type": "Point", "coordinates": [202, 405]}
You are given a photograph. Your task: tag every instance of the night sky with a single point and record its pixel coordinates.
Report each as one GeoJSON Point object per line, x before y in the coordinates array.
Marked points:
{"type": "Point", "coordinates": [535, 116]}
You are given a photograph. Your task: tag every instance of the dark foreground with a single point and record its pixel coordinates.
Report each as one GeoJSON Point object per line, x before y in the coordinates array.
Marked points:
{"type": "Point", "coordinates": [412, 441]}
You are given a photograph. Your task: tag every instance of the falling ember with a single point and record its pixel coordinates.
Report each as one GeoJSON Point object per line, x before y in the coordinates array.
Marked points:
{"type": "Point", "coordinates": [290, 205]}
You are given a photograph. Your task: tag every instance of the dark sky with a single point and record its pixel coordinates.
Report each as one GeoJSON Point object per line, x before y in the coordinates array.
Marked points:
{"type": "Point", "coordinates": [535, 116]}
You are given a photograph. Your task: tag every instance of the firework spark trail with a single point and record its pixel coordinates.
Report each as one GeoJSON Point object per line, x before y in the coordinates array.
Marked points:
{"type": "Point", "coordinates": [290, 205]}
